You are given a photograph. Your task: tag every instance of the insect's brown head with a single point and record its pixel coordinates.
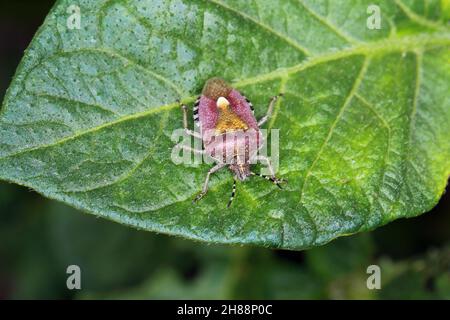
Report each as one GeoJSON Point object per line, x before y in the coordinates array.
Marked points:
{"type": "Point", "coordinates": [215, 88]}
{"type": "Point", "coordinates": [241, 171]}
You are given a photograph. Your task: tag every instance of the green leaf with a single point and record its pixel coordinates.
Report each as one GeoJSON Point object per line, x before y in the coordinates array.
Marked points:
{"type": "Point", "coordinates": [363, 124]}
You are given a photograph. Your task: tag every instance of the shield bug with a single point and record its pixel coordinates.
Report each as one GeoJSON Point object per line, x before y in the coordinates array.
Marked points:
{"type": "Point", "coordinates": [229, 131]}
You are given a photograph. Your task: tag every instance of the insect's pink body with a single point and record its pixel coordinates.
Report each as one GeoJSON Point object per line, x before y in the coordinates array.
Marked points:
{"type": "Point", "coordinates": [208, 113]}
{"type": "Point", "coordinates": [235, 143]}
{"type": "Point", "coordinates": [229, 131]}
{"type": "Point", "coordinates": [222, 145]}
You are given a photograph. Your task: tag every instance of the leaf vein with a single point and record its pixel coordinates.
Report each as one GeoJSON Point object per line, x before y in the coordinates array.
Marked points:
{"type": "Point", "coordinates": [347, 101]}
{"type": "Point", "coordinates": [269, 29]}
{"type": "Point", "coordinates": [330, 26]}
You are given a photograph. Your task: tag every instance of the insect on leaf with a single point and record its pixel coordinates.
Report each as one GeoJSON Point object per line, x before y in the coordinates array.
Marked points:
{"type": "Point", "coordinates": [363, 125]}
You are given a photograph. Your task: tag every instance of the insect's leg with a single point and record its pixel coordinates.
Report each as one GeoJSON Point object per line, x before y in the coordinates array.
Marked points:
{"type": "Point", "coordinates": [272, 172]}
{"type": "Point", "coordinates": [268, 163]}
{"type": "Point", "coordinates": [185, 123]}
{"type": "Point", "coordinates": [188, 148]}
{"type": "Point", "coordinates": [269, 110]}
{"type": "Point", "coordinates": [205, 184]}
{"type": "Point", "coordinates": [232, 193]}
{"type": "Point", "coordinates": [274, 180]}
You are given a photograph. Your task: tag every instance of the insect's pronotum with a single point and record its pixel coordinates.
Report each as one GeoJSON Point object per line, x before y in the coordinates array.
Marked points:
{"type": "Point", "coordinates": [226, 119]}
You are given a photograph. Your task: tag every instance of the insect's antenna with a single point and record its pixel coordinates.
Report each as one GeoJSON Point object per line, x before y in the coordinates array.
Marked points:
{"type": "Point", "coordinates": [267, 178]}
{"type": "Point", "coordinates": [232, 193]}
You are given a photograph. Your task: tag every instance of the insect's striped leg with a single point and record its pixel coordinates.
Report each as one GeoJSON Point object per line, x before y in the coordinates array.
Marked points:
{"type": "Point", "coordinates": [268, 163]}
{"type": "Point", "coordinates": [205, 184]}
{"type": "Point", "coordinates": [273, 179]}
{"type": "Point", "coordinates": [185, 123]}
{"type": "Point", "coordinates": [272, 172]}
{"type": "Point", "coordinates": [269, 110]}
{"type": "Point", "coordinates": [233, 192]}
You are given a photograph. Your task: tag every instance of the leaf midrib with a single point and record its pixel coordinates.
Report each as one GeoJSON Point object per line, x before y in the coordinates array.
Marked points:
{"type": "Point", "coordinates": [405, 44]}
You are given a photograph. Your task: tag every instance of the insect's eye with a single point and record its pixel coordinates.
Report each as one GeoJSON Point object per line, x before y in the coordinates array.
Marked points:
{"type": "Point", "coordinates": [222, 103]}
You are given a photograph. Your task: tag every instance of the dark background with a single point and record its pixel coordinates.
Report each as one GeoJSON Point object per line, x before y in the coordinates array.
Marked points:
{"type": "Point", "coordinates": [39, 238]}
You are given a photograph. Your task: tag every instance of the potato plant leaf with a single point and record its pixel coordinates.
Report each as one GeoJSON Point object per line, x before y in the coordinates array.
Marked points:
{"type": "Point", "coordinates": [364, 123]}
